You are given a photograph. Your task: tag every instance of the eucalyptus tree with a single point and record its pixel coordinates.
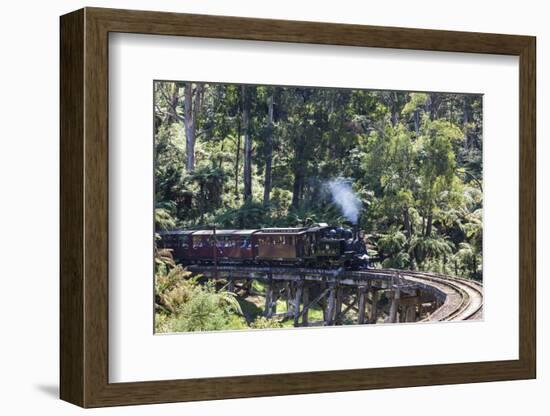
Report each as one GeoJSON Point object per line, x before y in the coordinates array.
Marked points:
{"type": "Point", "coordinates": [269, 147]}
{"type": "Point", "coordinates": [193, 95]}
{"type": "Point", "coordinates": [259, 155]}
{"type": "Point", "coordinates": [247, 92]}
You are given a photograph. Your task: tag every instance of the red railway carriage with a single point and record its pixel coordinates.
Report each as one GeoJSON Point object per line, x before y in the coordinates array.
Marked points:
{"type": "Point", "coordinates": [204, 242]}
{"type": "Point", "coordinates": [179, 241]}
{"type": "Point", "coordinates": [243, 247]}
{"type": "Point", "coordinates": [225, 245]}
{"type": "Point", "coordinates": [284, 245]}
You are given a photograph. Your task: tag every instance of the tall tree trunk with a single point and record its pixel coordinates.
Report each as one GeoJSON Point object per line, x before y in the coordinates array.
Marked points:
{"type": "Point", "coordinates": [237, 156]}
{"type": "Point", "coordinates": [297, 187]}
{"type": "Point", "coordinates": [394, 109]}
{"type": "Point", "coordinates": [429, 224]}
{"type": "Point", "coordinates": [269, 155]}
{"type": "Point", "coordinates": [423, 214]}
{"type": "Point", "coordinates": [298, 170]}
{"type": "Point", "coordinates": [170, 93]}
{"type": "Point", "coordinates": [191, 108]}
{"type": "Point", "coordinates": [174, 103]}
{"type": "Point", "coordinates": [408, 234]}
{"type": "Point", "coordinates": [202, 201]}
{"type": "Point", "coordinates": [416, 116]}
{"type": "Point", "coordinates": [189, 126]}
{"type": "Point", "coordinates": [407, 222]}
{"type": "Point", "coordinates": [247, 156]}
{"type": "Point", "coordinates": [433, 104]}
{"type": "Point", "coordinates": [466, 119]}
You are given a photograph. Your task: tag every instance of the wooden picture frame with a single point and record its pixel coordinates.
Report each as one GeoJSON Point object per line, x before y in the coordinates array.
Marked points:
{"type": "Point", "coordinates": [84, 207]}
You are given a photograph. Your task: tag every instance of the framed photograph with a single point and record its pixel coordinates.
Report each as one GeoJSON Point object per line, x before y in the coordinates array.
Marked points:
{"type": "Point", "coordinates": [256, 207]}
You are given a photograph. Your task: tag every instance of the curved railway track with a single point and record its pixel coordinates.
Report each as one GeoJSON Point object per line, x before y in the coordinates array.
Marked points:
{"type": "Point", "coordinates": [458, 299]}
{"type": "Point", "coordinates": [463, 298]}
{"type": "Point", "coordinates": [470, 305]}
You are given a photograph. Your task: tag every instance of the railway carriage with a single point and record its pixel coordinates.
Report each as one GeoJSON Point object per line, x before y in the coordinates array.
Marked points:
{"type": "Point", "coordinates": [207, 245]}
{"type": "Point", "coordinates": [239, 246]}
{"type": "Point", "coordinates": [202, 246]}
{"type": "Point", "coordinates": [280, 245]}
{"type": "Point", "coordinates": [317, 246]}
{"type": "Point", "coordinates": [179, 241]}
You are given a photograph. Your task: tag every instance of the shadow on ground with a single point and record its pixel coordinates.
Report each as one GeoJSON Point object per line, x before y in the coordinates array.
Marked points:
{"type": "Point", "coordinates": [51, 390]}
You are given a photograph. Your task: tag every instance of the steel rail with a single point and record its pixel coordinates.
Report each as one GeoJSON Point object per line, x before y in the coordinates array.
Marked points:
{"type": "Point", "coordinates": [461, 299]}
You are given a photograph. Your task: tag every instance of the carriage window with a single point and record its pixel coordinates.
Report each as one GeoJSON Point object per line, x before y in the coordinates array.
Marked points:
{"type": "Point", "coordinates": [200, 243]}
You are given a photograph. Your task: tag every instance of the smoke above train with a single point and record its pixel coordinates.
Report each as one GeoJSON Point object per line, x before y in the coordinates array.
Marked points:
{"type": "Point", "coordinates": [345, 198]}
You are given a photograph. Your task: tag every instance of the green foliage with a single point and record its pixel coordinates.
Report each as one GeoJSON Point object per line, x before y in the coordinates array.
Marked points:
{"type": "Point", "coordinates": [163, 220]}
{"type": "Point", "coordinates": [173, 288]}
{"type": "Point", "coordinates": [415, 160]}
{"type": "Point", "coordinates": [392, 246]}
{"type": "Point", "coordinates": [416, 102]}
{"type": "Point", "coordinates": [208, 310]}
{"type": "Point", "coordinates": [183, 305]}
{"type": "Point", "coordinates": [392, 242]}
{"type": "Point", "coordinates": [262, 323]}
{"type": "Point", "coordinates": [248, 215]}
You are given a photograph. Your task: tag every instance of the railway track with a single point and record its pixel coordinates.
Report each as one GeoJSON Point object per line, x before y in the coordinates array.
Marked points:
{"type": "Point", "coordinates": [470, 305]}
{"type": "Point", "coordinates": [463, 297]}
{"type": "Point", "coordinates": [460, 299]}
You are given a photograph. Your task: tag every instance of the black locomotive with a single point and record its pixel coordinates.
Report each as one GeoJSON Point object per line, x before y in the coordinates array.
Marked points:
{"type": "Point", "coordinates": [318, 246]}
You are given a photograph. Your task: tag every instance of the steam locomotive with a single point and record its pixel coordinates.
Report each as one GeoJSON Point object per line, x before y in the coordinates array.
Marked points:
{"type": "Point", "coordinates": [318, 246]}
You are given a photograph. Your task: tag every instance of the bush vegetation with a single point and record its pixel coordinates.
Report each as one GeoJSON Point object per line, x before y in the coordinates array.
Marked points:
{"type": "Point", "coordinates": [255, 156]}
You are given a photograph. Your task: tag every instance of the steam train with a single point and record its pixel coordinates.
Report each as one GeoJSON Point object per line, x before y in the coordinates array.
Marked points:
{"type": "Point", "coordinates": [318, 246]}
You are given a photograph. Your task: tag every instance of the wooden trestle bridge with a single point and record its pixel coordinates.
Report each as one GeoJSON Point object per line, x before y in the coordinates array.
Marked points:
{"type": "Point", "coordinates": [354, 297]}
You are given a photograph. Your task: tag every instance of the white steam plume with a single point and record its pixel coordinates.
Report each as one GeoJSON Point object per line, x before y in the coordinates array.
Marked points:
{"type": "Point", "coordinates": [345, 198]}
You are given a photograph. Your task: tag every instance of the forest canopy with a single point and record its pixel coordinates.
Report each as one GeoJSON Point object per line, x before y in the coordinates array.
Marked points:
{"type": "Point", "coordinates": [248, 156]}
